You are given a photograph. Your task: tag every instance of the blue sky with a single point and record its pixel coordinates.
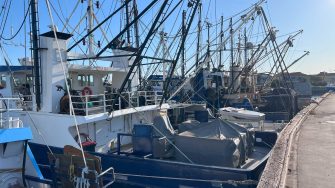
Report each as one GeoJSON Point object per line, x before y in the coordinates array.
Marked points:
{"type": "Point", "coordinates": [316, 18]}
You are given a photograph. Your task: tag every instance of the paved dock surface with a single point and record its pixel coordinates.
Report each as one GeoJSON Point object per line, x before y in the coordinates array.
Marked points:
{"type": "Point", "coordinates": [304, 155]}
{"type": "Point", "coordinates": [316, 148]}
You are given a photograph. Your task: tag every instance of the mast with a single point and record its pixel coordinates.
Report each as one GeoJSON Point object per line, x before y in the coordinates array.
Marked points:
{"type": "Point", "coordinates": [90, 18]}
{"type": "Point", "coordinates": [162, 41]}
{"type": "Point", "coordinates": [199, 35]}
{"type": "Point", "coordinates": [127, 23]}
{"type": "Point", "coordinates": [245, 47]}
{"type": "Point", "coordinates": [208, 45]}
{"type": "Point", "coordinates": [231, 53]}
{"type": "Point", "coordinates": [138, 56]}
{"type": "Point", "coordinates": [35, 51]}
{"type": "Point", "coordinates": [221, 45]}
{"type": "Point", "coordinates": [183, 46]}
{"type": "Point", "coordinates": [137, 40]}
{"type": "Point", "coordinates": [174, 62]}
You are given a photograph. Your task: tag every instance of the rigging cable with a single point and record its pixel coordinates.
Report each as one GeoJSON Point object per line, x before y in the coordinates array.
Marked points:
{"type": "Point", "coordinates": [2, 11]}
{"type": "Point", "coordinates": [67, 85]}
{"type": "Point", "coordinates": [4, 24]}
{"type": "Point", "coordinates": [22, 24]}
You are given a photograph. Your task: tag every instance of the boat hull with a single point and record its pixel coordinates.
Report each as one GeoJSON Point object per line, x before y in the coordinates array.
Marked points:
{"type": "Point", "coordinates": [146, 172]}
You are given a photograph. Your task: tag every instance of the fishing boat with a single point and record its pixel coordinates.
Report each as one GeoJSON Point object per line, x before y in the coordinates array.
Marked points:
{"type": "Point", "coordinates": [135, 135]}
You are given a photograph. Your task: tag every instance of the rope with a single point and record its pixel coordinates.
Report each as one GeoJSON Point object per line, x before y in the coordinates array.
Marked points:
{"type": "Point", "coordinates": [67, 85]}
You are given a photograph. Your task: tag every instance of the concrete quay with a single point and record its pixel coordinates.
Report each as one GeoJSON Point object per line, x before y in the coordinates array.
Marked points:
{"type": "Point", "coordinates": [304, 155]}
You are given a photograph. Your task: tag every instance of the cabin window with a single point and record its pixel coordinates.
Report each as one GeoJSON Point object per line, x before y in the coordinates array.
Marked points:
{"type": "Point", "coordinates": [86, 80]}
{"type": "Point", "coordinates": [90, 80]}
{"type": "Point", "coordinates": [29, 79]}
{"type": "Point", "coordinates": [82, 80]}
{"type": "Point", "coordinates": [3, 81]}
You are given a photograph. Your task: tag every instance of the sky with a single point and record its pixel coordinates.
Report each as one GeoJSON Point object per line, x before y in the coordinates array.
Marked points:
{"type": "Point", "coordinates": [315, 17]}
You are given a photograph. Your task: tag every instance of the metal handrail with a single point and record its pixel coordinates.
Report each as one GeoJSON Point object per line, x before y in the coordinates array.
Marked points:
{"type": "Point", "coordinates": [7, 121]}
{"type": "Point", "coordinates": [101, 102]}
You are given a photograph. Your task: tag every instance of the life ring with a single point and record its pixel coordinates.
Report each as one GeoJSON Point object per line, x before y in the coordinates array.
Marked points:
{"type": "Point", "coordinates": [86, 91]}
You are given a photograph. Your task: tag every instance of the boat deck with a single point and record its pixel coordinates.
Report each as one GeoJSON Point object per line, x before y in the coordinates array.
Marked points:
{"type": "Point", "coordinates": [256, 157]}
{"type": "Point", "coordinates": [252, 162]}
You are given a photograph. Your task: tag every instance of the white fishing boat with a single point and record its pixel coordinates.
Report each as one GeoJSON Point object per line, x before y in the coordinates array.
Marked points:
{"type": "Point", "coordinates": [243, 116]}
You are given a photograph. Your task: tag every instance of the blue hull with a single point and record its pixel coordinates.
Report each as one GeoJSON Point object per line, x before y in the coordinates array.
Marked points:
{"type": "Point", "coordinates": [173, 174]}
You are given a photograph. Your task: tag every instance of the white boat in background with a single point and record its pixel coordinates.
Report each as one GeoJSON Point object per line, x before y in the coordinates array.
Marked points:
{"type": "Point", "coordinates": [250, 118]}
{"type": "Point", "coordinates": [243, 116]}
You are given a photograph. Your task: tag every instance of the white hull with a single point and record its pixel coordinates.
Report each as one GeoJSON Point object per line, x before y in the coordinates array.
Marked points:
{"type": "Point", "coordinates": [59, 129]}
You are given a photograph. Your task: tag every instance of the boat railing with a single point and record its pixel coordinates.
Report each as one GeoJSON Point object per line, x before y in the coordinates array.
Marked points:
{"type": "Point", "coordinates": [187, 102]}
{"type": "Point", "coordinates": [101, 103]}
{"type": "Point", "coordinates": [8, 105]}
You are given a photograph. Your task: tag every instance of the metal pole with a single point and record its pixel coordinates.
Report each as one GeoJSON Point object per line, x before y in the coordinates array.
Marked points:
{"type": "Point", "coordinates": [221, 45]}
{"type": "Point", "coordinates": [137, 40]}
{"type": "Point", "coordinates": [89, 29]}
{"type": "Point", "coordinates": [245, 47]}
{"type": "Point", "coordinates": [208, 45]}
{"type": "Point", "coordinates": [126, 28]}
{"type": "Point", "coordinates": [127, 23]}
{"type": "Point", "coordinates": [141, 49]}
{"type": "Point", "coordinates": [162, 34]}
{"type": "Point", "coordinates": [183, 46]}
{"type": "Point", "coordinates": [35, 49]}
{"type": "Point", "coordinates": [97, 26]}
{"type": "Point", "coordinates": [231, 53]}
{"type": "Point", "coordinates": [167, 83]}
{"type": "Point", "coordinates": [198, 36]}
{"type": "Point", "coordinates": [24, 163]}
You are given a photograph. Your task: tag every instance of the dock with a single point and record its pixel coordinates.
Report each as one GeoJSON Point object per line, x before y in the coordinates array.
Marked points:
{"type": "Point", "coordinates": [303, 156]}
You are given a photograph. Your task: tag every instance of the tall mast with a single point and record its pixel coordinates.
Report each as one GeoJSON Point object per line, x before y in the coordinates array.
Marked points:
{"type": "Point", "coordinates": [221, 45]}
{"type": "Point", "coordinates": [208, 45]}
{"type": "Point", "coordinates": [183, 46]}
{"type": "Point", "coordinates": [162, 34]}
{"type": "Point", "coordinates": [137, 40]}
{"type": "Point", "coordinates": [245, 47]}
{"type": "Point", "coordinates": [90, 18]}
{"type": "Point", "coordinates": [199, 35]}
{"type": "Point", "coordinates": [231, 52]}
{"type": "Point", "coordinates": [35, 51]}
{"type": "Point", "coordinates": [127, 23]}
